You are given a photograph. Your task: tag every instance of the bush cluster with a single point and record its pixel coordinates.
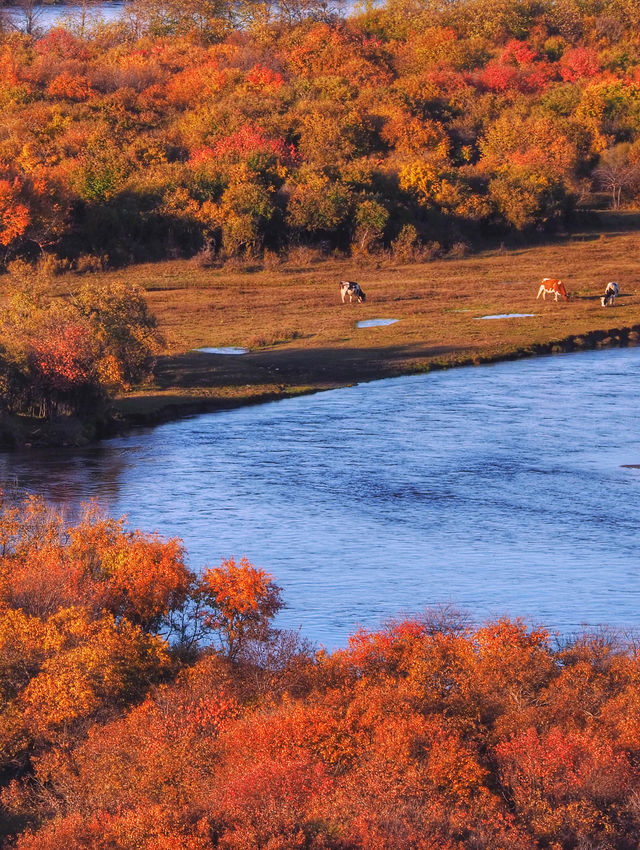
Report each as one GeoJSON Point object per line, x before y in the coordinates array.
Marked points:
{"type": "Point", "coordinates": [147, 708]}
{"type": "Point", "coordinates": [66, 355]}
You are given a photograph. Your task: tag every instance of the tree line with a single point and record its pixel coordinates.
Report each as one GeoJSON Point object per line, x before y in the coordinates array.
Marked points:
{"type": "Point", "coordinates": [250, 127]}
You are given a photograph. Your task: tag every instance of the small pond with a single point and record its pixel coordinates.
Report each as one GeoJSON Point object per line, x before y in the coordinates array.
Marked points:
{"type": "Point", "coordinates": [225, 349]}
{"type": "Point", "coordinates": [375, 323]}
{"type": "Point", "coordinates": [507, 316]}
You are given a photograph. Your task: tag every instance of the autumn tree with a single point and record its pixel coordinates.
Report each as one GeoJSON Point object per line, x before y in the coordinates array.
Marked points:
{"type": "Point", "coordinates": [97, 562]}
{"type": "Point", "coordinates": [565, 782]}
{"type": "Point", "coordinates": [371, 220]}
{"type": "Point", "coordinates": [242, 601]}
{"type": "Point", "coordinates": [531, 169]}
{"type": "Point", "coordinates": [207, 20]}
{"type": "Point", "coordinates": [14, 215]}
{"type": "Point", "coordinates": [247, 210]}
{"type": "Point", "coordinates": [124, 330]}
{"type": "Point", "coordinates": [74, 667]}
{"type": "Point", "coordinates": [618, 171]}
{"type": "Point", "coordinates": [66, 356]}
{"type": "Point", "coordinates": [52, 356]}
{"type": "Point", "coordinates": [317, 205]}
{"type": "Point", "coordinates": [33, 210]}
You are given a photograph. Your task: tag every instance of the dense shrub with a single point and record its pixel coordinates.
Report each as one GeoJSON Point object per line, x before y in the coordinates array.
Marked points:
{"type": "Point", "coordinates": [67, 356]}
{"type": "Point", "coordinates": [144, 706]}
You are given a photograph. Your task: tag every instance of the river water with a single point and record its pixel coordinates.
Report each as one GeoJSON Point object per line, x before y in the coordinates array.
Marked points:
{"type": "Point", "coordinates": [45, 17]}
{"type": "Point", "coordinates": [501, 489]}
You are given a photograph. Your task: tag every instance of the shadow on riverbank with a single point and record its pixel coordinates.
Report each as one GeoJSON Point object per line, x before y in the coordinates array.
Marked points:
{"type": "Point", "coordinates": [194, 383]}
{"type": "Point", "coordinates": [216, 383]}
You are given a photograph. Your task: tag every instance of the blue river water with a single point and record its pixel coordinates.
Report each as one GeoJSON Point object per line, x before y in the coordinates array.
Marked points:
{"type": "Point", "coordinates": [510, 489]}
{"type": "Point", "coordinates": [45, 17]}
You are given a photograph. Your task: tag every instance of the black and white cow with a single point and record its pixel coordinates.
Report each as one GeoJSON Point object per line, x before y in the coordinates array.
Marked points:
{"type": "Point", "coordinates": [353, 290]}
{"type": "Point", "coordinates": [609, 297]}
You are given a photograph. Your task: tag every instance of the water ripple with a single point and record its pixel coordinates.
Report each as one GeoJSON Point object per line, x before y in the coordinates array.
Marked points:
{"type": "Point", "coordinates": [502, 489]}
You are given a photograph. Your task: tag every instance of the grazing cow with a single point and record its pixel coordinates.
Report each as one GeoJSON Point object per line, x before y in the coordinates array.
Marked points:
{"type": "Point", "coordinates": [352, 289]}
{"type": "Point", "coordinates": [609, 297]}
{"type": "Point", "coordinates": [552, 286]}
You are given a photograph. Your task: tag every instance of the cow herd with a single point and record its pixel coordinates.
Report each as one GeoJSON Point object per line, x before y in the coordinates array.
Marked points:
{"type": "Point", "coordinates": [549, 286]}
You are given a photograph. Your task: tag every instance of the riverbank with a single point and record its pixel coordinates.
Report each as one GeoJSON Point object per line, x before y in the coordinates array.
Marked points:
{"type": "Point", "coordinates": [300, 338]}
{"type": "Point", "coordinates": [146, 408]}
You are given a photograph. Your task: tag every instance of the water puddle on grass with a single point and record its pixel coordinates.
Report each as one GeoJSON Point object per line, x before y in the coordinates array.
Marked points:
{"type": "Point", "coordinates": [223, 350]}
{"type": "Point", "coordinates": [375, 323]}
{"type": "Point", "coordinates": [506, 316]}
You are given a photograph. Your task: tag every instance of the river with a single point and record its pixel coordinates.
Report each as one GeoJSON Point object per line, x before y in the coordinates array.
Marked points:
{"type": "Point", "coordinates": [500, 489]}
{"type": "Point", "coordinates": [43, 18]}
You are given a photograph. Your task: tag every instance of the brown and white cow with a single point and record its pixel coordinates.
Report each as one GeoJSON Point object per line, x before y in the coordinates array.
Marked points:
{"type": "Point", "coordinates": [353, 290]}
{"type": "Point", "coordinates": [609, 297]}
{"type": "Point", "coordinates": [552, 286]}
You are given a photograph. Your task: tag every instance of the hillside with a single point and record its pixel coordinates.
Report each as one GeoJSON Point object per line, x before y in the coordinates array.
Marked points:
{"type": "Point", "coordinates": [235, 129]}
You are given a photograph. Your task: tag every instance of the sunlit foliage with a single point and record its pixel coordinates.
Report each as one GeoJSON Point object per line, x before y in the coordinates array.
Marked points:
{"type": "Point", "coordinates": [248, 127]}
{"type": "Point", "coordinates": [66, 356]}
{"type": "Point", "coordinates": [119, 730]}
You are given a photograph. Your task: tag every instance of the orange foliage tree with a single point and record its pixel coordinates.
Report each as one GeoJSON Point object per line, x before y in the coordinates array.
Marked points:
{"type": "Point", "coordinates": [14, 215]}
{"type": "Point", "coordinates": [87, 629]}
{"type": "Point", "coordinates": [242, 600]}
{"type": "Point", "coordinates": [66, 356]}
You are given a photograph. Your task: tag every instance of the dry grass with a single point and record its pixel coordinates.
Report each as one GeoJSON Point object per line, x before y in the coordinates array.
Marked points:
{"type": "Point", "coordinates": [302, 338]}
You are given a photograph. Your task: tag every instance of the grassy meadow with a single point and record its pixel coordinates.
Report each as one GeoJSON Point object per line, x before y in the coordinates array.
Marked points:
{"type": "Point", "coordinates": [302, 338]}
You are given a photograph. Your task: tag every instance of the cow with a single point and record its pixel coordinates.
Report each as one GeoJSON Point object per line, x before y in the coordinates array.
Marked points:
{"type": "Point", "coordinates": [353, 290]}
{"type": "Point", "coordinates": [552, 286]}
{"type": "Point", "coordinates": [609, 297]}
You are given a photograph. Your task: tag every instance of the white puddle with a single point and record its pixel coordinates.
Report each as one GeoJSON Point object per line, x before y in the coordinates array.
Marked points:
{"type": "Point", "coordinates": [223, 350]}
{"type": "Point", "coordinates": [375, 323]}
{"type": "Point", "coordinates": [506, 316]}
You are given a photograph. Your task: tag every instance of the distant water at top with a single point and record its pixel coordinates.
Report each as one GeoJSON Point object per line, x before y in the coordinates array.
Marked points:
{"type": "Point", "coordinates": [47, 17]}
{"type": "Point", "coordinates": [505, 490]}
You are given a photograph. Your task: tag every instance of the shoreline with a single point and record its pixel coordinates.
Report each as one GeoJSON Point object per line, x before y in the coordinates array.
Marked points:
{"type": "Point", "coordinates": [186, 406]}
{"type": "Point", "coordinates": [147, 409]}
{"type": "Point", "coordinates": [300, 339]}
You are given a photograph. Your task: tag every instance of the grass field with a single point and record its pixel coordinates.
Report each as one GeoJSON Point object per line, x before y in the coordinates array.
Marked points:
{"type": "Point", "coordinates": [302, 338]}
